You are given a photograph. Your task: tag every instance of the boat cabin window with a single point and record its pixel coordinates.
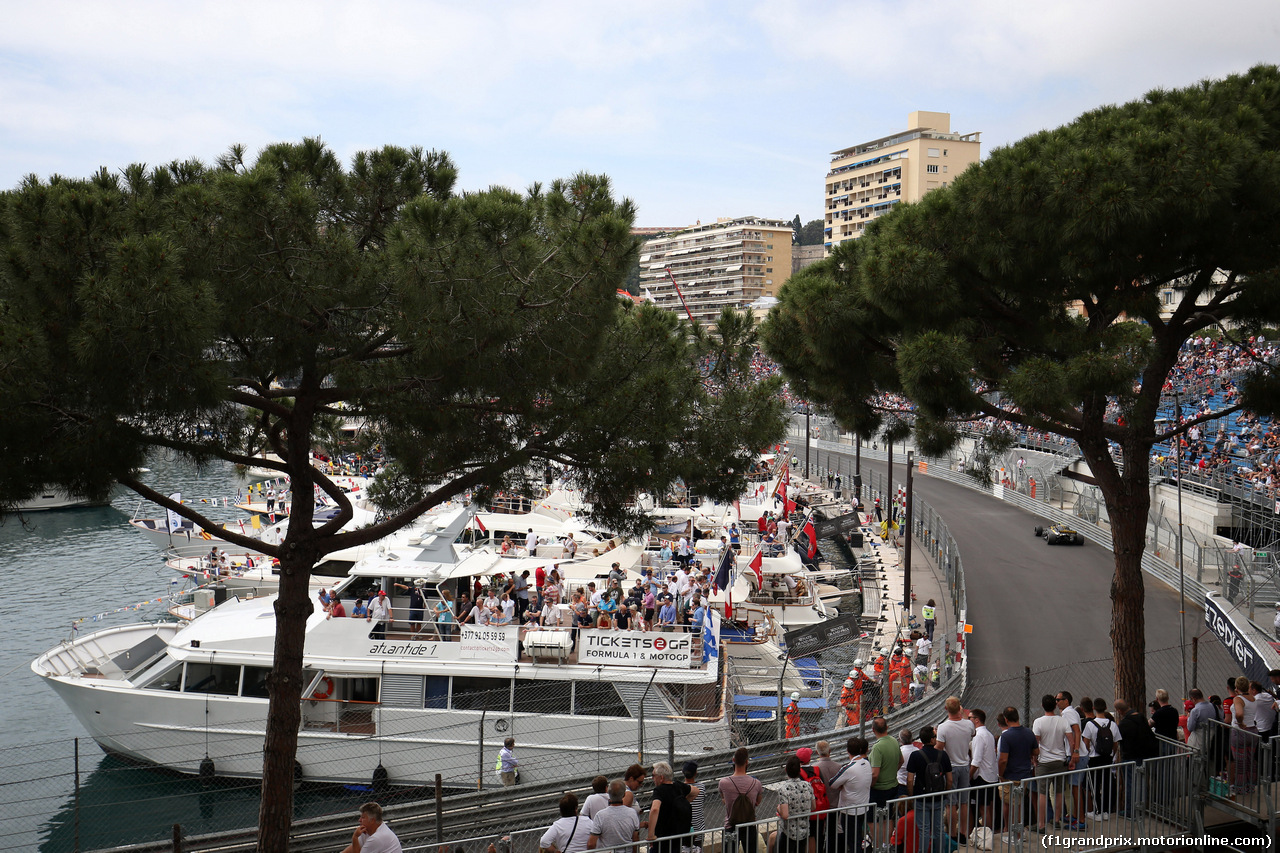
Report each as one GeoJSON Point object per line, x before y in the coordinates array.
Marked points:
{"type": "Point", "coordinates": [360, 587]}
{"type": "Point", "coordinates": [212, 678]}
{"type": "Point", "coordinates": [255, 682]}
{"type": "Point", "coordinates": [481, 694]}
{"type": "Point", "coordinates": [358, 689]}
{"type": "Point", "coordinates": [164, 674]}
{"type": "Point", "coordinates": [332, 568]}
{"type": "Point", "coordinates": [542, 697]}
{"type": "Point", "coordinates": [598, 698]}
{"type": "Point", "coordinates": [437, 692]}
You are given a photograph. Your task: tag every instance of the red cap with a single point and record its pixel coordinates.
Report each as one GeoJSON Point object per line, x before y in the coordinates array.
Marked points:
{"type": "Point", "coordinates": [382, 592]}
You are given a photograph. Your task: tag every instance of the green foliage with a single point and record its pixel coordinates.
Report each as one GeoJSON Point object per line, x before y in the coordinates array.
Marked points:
{"type": "Point", "coordinates": [976, 288]}
{"type": "Point", "coordinates": [811, 234]}
{"type": "Point", "coordinates": [1030, 291]}
{"type": "Point", "coordinates": [478, 335]}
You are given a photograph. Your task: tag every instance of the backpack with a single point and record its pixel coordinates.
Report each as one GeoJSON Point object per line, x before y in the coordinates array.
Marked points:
{"type": "Point", "coordinates": [820, 801]}
{"type": "Point", "coordinates": [742, 810]}
{"type": "Point", "coordinates": [934, 779]}
{"type": "Point", "coordinates": [1104, 743]}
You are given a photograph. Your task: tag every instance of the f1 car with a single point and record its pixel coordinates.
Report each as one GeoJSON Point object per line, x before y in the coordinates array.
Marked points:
{"type": "Point", "coordinates": [1059, 534]}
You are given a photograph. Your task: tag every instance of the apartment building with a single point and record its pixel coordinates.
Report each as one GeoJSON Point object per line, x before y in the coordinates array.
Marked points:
{"type": "Point", "coordinates": [730, 262]}
{"type": "Point", "coordinates": [867, 180]}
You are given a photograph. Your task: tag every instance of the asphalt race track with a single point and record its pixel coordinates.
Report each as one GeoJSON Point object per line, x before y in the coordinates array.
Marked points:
{"type": "Point", "coordinates": [1040, 606]}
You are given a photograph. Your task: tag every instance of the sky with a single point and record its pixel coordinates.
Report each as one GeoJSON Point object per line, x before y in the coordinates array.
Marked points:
{"type": "Point", "coordinates": [694, 110]}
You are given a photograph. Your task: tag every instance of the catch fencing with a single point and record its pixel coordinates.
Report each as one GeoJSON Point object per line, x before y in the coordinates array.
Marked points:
{"type": "Point", "coordinates": [1153, 804]}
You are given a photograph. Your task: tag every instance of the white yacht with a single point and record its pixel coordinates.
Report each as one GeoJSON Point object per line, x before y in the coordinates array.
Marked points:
{"type": "Point", "coordinates": [181, 537]}
{"type": "Point", "coordinates": [414, 700]}
{"type": "Point", "coordinates": [789, 596]}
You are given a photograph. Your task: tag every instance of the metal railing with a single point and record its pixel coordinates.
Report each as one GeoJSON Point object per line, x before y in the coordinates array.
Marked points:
{"type": "Point", "coordinates": [1125, 805]}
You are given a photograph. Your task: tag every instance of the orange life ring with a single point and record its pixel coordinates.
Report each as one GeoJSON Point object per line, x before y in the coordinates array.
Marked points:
{"type": "Point", "coordinates": [327, 691]}
{"type": "Point", "coordinates": [364, 469]}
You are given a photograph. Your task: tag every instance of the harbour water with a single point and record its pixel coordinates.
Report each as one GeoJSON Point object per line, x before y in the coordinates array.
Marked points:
{"type": "Point", "coordinates": [60, 567]}
{"type": "Point", "coordinates": [84, 570]}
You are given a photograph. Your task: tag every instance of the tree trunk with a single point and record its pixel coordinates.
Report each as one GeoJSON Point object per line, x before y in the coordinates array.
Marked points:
{"type": "Point", "coordinates": [1127, 494]}
{"type": "Point", "coordinates": [292, 607]}
{"type": "Point", "coordinates": [1128, 591]}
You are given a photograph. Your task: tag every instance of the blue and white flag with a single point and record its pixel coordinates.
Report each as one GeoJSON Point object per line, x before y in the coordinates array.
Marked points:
{"type": "Point", "coordinates": [710, 634]}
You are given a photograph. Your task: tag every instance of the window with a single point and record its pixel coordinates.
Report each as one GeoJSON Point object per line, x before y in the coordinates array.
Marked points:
{"type": "Point", "coordinates": [212, 678]}
{"type": "Point", "coordinates": [944, 169]}
{"type": "Point", "coordinates": [437, 695]}
{"type": "Point", "coordinates": [481, 694]}
{"type": "Point", "coordinates": [543, 697]}
{"type": "Point", "coordinates": [933, 152]}
{"type": "Point", "coordinates": [931, 169]}
{"type": "Point", "coordinates": [164, 675]}
{"type": "Point", "coordinates": [255, 681]}
{"type": "Point", "coordinates": [944, 152]}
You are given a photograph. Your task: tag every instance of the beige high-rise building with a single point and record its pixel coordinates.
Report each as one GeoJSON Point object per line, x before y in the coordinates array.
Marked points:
{"type": "Point", "coordinates": [867, 180]}
{"type": "Point", "coordinates": [730, 262]}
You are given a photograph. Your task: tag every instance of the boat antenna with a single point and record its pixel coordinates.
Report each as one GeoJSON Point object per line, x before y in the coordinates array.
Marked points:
{"type": "Point", "coordinates": [207, 770]}
{"type": "Point", "coordinates": [380, 775]}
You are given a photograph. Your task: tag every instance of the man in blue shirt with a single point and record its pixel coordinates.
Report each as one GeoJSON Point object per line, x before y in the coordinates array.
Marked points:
{"type": "Point", "coordinates": [1019, 753]}
{"type": "Point", "coordinates": [667, 615]}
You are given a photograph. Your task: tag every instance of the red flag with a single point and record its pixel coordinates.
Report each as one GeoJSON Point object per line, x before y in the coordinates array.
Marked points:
{"type": "Point", "coordinates": [755, 565]}
{"type": "Point", "coordinates": [480, 524]}
{"type": "Point", "coordinates": [788, 505]}
{"type": "Point", "coordinates": [813, 538]}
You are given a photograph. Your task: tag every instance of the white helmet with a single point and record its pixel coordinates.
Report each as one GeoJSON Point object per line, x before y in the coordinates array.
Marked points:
{"type": "Point", "coordinates": [884, 652]}
{"type": "Point", "coordinates": [795, 697]}
{"type": "Point", "coordinates": [858, 664]}
{"type": "Point", "coordinates": [848, 682]}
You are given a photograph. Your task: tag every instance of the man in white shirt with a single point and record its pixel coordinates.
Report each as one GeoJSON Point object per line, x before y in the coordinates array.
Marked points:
{"type": "Point", "coordinates": [1264, 712]}
{"type": "Point", "coordinates": [683, 551]}
{"type": "Point", "coordinates": [984, 766]}
{"type": "Point", "coordinates": [380, 615]}
{"type": "Point", "coordinates": [783, 527]}
{"type": "Point", "coordinates": [1076, 759]}
{"type": "Point", "coordinates": [924, 648]}
{"type": "Point", "coordinates": [852, 784]}
{"type": "Point", "coordinates": [681, 581]}
{"type": "Point", "coordinates": [1053, 737]}
{"type": "Point", "coordinates": [616, 824]}
{"type": "Point", "coordinates": [372, 835]}
{"type": "Point", "coordinates": [908, 747]}
{"type": "Point", "coordinates": [954, 735]}
{"type": "Point", "coordinates": [531, 542]}
{"type": "Point", "coordinates": [598, 799]}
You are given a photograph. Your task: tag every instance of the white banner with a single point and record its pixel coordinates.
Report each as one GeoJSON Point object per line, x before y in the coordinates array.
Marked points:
{"type": "Point", "coordinates": [488, 644]}
{"type": "Point", "coordinates": [636, 648]}
{"type": "Point", "coordinates": [175, 520]}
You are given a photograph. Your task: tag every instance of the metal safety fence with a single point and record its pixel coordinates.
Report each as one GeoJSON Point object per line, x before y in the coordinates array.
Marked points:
{"type": "Point", "coordinates": [1152, 804]}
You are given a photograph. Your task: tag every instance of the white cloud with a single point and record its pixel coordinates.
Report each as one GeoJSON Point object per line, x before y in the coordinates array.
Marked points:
{"type": "Point", "coordinates": [696, 110]}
